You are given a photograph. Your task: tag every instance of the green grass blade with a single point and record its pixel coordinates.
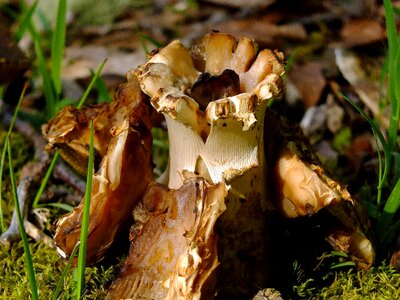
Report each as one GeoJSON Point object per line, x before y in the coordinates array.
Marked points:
{"type": "Point", "coordinates": [291, 59]}
{"type": "Point", "coordinates": [390, 27]}
{"type": "Point", "coordinates": [3, 154]}
{"type": "Point", "coordinates": [65, 271]}
{"type": "Point", "coordinates": [28, 257]}
{"type": "Point", "coordinates": [391, 207]}
{"type": "Point", "coordinates": [343, 264]}
{"type": "Point", "coordinates": [393, 42]}
{"type": "Point", "coordinates": [48, 88]}
{"type": "Point", "coordinates": [45, 179]}
{"type": "Point", "coordinates": [57, 46]}
{"type": "Point", "coordinates": [92, 82]}
{"type": "Point", "coordinates": [379, 135]}
{"type": "Point", "coordinates": [391, 233]}
{"type": "Point", "coordinates": [395, 102]}
{"type": "Point", "coordinates": [26, 21]}
{"type": "Point", "coordinates": [371, 122]}
{"type": "Point", "coordinates": [103, 94]}
{"type": "Point", "coordinates": [143, 38]}
{"type": "Point", "coordinates": [64, 102]}
{"type": "Point", "coordinates": [381, 166]}
{"type": "Point", "coordinates": [63, 206]}
{"type": "Point", "coordinates": [85, 218]}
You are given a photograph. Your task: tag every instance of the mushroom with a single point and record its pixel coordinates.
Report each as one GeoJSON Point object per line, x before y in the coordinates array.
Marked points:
{"type": "Point", "coordinates": [222, 139]}
{"type": "Point", "coordinates": [232, 163]}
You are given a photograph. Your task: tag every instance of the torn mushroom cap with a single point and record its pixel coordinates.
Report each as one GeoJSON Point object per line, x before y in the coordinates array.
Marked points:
{"type": "Point", "coordinates": [68, 131]}
{"type": "Point", "coordinates": [171, 72]}
{"type": "Point", "coordinates": [222, 138]}
{"type": "Point", "coordinates": [124, 173]}
{"type": "Point", "coordinates": [305, 189]}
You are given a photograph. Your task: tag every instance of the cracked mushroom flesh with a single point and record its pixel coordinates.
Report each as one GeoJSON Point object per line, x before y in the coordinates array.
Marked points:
{"type": "Point", "coordinates": [227, 149]}
{"type": "Point", "coordinates": [124, 128]}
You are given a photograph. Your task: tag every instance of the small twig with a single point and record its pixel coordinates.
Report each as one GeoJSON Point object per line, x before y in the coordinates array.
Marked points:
{"type": "Point", "coordinates": [30, 176]}
{"type": "Point", "coordinates": [64, 173]}
{"type": "Point", "coordinates": [56, 192]}
{"type": "Point", "coordinates": [38, 235]}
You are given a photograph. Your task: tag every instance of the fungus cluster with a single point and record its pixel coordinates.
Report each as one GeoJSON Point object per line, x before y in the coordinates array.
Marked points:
{"type": "Point", "coordinates": [232, 161]}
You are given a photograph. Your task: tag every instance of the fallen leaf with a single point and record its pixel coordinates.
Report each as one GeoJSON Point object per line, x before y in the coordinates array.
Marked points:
{"type": "Point", "coordinates": [264, 32]}
{"type": "Point", "coordinates": [358, 32]}
{"type": "Point", "coordinates": [243, 4]}
{"type": "Point", "coordinates": [309, 80]}
{"type": "Point", "coordinates": [368, 91]}
{"type": "Point", "coordinates": [80, 59]}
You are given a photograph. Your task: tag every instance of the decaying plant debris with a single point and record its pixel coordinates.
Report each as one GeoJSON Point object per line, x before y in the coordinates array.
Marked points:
{"type": "Point", "coordinates": [228, 171]}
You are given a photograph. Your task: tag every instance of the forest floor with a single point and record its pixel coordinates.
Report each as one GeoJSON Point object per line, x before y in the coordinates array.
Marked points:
{"type": "Point", "coordinates": [332, 48]}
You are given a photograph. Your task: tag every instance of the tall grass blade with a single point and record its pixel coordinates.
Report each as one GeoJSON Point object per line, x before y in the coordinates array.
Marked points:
{"type": "Point", "coordinates": [26, 21]}
{"type": "Point", "coordinates": [28, 257]}
{"type": "Point", "coordinates": [65, 271]}
{"type": "Point", "coordinates": [92, 82]}
{"type": "Point", "coordinates": [395, 102]}
{"type": "Point", "coordinates": [57, 46]}
{"type": "Point", "coordinates": [48, 88]}
{"type": "Point", "coordinates": [393, 42]}
{"type": "Point", "coordinates": [85, 218]}
{"type": "Point", "coordinates": [3, 154]}
{"type": "Point", "coordinates": [143, 38]}
{"type": "Point", "coordinates": [45, 179]}
{"type": "Point", "coordinates": [63, 206]}
{"type": "Point", "coordinates": [377, 132]}
{"type": "Point", "coordinates": [102, 91]}
{"type": "Point", "coordinates": [391, 207]}
{"type": "Point", "coordinates": [390, 27]}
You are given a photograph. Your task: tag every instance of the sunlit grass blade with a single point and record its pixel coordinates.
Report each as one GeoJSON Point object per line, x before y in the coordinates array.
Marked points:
{"type": "Point", "coordinates": [65, 271]}
{"type": "Point", "coordinates": [390, 27]}
{"type": "Point", "coordinates": [343, 264]}
{"type": "Point", "coordinates": [28, 257]}
{"type": "Point", "coordinates": [64, 102]}
{"type": "Point", "coordinates": [291, 59]}
{"type": "Point", "coordinates": [92, 82]}
{"type": "Point", "coordinates": [45, 179]}
{"type": "Point", "coordinates": [393, 42]}
{"type": "Point", "coordinates": [103, 94]}
{"type": "Point", "coordinates": [63, 206]}
{"type": "Point", "coordinates": [391, 207]}
{"type": "Point", "coordinates": [57, 46]}
{"type": "Point", "coordinates": [395, 102]}
{"type": "Point", "coordinates": [85, 218]}
{"type": "Point", "coordinates": [26, 21]}
{"type": "Point", "coordinates": [379, 135]}
{"type": "Point", "coordinates": [48, 88]}
{"type": "Point", "coordinates": [3, 154]}
{"type": "Point", "coordinates": [143, 38]}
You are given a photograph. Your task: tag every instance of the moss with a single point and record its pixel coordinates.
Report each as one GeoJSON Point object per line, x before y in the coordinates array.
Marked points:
{"type": "Point", "coordinates": [378, 283]}
{"type": "Point", "coordinates": [48, 267]}
{"type": "Point", "coordinates": [14, 283]}
{"type": "Point", "coordinates": [21, 150]}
